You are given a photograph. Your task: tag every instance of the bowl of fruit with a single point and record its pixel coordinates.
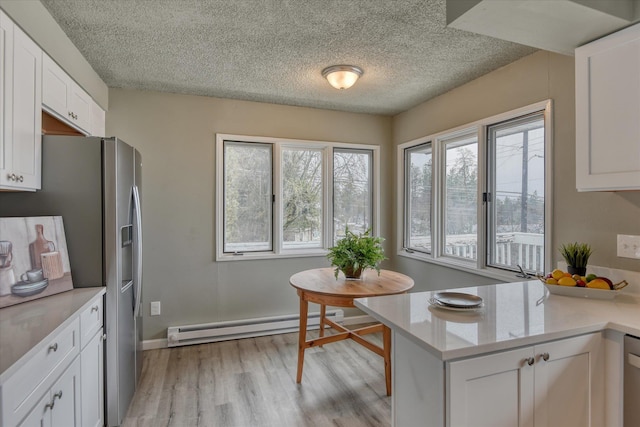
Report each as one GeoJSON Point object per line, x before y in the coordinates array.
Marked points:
{"type": "Point", "coordinates": [590, 286]}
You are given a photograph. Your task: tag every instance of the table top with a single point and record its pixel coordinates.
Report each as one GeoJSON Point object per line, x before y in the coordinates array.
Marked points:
{"type": "Point", "coordinates": [323, 281]}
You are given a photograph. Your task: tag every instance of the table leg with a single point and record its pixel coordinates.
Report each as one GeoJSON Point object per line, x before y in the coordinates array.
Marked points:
{"type": "Point", "coordinates": [386, 343]}
{"type": "Point", "coordinates": [323, 313]}
{"type": "Point", "coordinates": [304, 306]}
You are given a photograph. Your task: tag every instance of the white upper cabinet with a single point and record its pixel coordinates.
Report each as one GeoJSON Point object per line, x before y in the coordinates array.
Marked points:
{"type": "Point", "coordinates": [63, 98]}
{"type": "Point", "coordinates": [608, 112]}
{"type": "Point", "coordinates": [20, 105]}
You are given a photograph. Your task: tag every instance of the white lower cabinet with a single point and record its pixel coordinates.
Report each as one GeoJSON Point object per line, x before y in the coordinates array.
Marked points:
{"type": "Point", "coordinates": [551, 384]}
{"type": "Point", "coordinates": [60, 406]}
{"type": "Point", "coordinates": [559, 383]}
{"type": "Point", "coordinates": [61, 382]}
{"type": "Point", "coordinates": [92, 367]}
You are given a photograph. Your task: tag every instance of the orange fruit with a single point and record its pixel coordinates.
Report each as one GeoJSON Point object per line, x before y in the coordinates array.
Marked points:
{"type": "Point", "coordinates": [566, 281]}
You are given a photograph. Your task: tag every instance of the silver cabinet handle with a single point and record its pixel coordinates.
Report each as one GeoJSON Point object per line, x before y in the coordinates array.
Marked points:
{"type": "Point", "coordinates": [11, 177]}
{"type": "Point", "coordinates": [20, 178]}
{"type": "Point", "coordinates": [530, 361]}
{"type": "Point", "coordinates": [51, 404]}
{"type": "Point", "coordinates": [53, 347]}
{"type": "Point", "coordinates": [70, 114]}
{"type": "Point", "coordinates": [95, 308]}
{"type": "Point", "coordinates": [545, 356]}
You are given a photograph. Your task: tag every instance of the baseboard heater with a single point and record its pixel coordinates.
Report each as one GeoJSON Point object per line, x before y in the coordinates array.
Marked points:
{"type": "Point", "coordinates": [248, 328]}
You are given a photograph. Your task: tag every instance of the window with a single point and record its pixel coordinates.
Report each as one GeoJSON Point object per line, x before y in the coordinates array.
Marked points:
{"type": "Point", "coordinates": [352, 191]}
{"type": "Point", "coordinates": [418, 162]}
{"type": "Point", "coordinates": [283, 198]}
{"type": "Point", "coordinates": [474, 197]}
{"type": "Point", "coordinates": [516, 193]}
{"type": "Point", "coordinates": [460, 196]}
{"type": "Point", "coordinates": [247, 197]}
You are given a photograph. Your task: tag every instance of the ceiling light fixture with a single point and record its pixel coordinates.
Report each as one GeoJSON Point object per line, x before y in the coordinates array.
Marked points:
{"type": "Point", "coordinates": [342, 76]}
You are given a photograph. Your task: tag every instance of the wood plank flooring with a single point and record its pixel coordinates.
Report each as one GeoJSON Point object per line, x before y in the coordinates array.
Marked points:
{"type": "Point", "coordinates": [251, 383]}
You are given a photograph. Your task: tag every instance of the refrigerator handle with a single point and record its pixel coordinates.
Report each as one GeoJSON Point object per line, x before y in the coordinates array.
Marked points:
{"type": "Point", "coordinates": [138, 250]}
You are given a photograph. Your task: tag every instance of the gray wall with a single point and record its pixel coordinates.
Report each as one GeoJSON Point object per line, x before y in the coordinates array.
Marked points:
{"type": "Point", "coordinates": [594, 218]}
{"type": "Point", "coordinates": [176, 136]}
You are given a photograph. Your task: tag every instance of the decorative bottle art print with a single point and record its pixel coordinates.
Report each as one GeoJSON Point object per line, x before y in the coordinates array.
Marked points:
{"type": "Point", "coordinates": [34, 261]}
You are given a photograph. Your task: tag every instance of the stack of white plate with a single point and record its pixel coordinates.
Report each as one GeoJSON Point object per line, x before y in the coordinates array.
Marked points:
{"type": "Point", "coordinates": [456, 301]}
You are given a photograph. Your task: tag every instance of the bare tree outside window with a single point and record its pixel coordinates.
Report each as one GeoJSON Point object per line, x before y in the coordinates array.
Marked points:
{"type": "Point", "coordinates": [419, 167]}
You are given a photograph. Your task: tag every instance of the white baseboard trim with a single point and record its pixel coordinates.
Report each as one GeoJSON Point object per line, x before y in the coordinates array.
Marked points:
{"type": "Point", "coordinates": [163, 343]}
{"type": "Point", "coordinates": [154, 344]}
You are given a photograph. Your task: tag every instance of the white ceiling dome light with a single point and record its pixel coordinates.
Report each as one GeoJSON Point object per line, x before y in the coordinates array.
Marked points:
{"type": "Point", "coordinates": [342, 76]}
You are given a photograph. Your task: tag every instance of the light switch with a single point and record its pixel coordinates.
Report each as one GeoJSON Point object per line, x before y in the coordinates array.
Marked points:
{"type": "Point", "coordinates": [628, 246]}
{"type": "Point", "coordinates": [155, 308]}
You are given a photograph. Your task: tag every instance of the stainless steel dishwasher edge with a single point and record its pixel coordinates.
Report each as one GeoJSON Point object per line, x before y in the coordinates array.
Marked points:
{"type": "Point", "coordinates": [631, 381]}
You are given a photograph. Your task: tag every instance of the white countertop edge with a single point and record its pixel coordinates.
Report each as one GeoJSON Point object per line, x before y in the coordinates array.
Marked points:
{"type": "Point", "coordinates": [477, 350]}
{"type": "Point", "coordinates": [4, 376]}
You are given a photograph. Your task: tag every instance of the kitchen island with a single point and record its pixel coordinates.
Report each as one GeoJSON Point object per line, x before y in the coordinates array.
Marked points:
{"type": "Point", "coordinates": [526, 358]}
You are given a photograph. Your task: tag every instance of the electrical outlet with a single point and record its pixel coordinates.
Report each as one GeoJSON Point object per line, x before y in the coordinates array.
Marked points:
{"type": "Point", "coordinates": [628, 246]}
{"type": "Point", "coordinates": [155, 308]}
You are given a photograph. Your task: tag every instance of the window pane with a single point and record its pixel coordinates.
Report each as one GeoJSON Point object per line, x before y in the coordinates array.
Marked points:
{"type": "Point", "coordinates": [516, 215]}
{"type": "Point", "coordinates": [418, 170]}
{"type": "Point", "coordinates": [461, 186]}
{"type": "Point", "coordinates": [247, 197]}
{"type": "Point", "coordinates": [302, 198]}
{"type": "Point", "coordinates": [352, 190]}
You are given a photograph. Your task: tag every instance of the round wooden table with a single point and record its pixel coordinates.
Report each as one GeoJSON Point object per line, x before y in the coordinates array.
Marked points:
{"type": "Point", "coordinates": [321, 287]}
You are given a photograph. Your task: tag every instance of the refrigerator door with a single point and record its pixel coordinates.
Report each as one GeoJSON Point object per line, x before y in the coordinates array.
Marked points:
{"type": "Point", "coordinates": [120, 230]}
{"type": "Point", "coordinates": [138, 260]}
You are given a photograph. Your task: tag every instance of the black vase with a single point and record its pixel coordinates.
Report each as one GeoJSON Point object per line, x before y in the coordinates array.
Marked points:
{"type": "Point", "coordinates": [580, 271]}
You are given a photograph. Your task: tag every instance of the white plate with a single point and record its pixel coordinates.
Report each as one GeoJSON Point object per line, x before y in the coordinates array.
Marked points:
{"type": "Point", "coordinates": [438, 304]}
{"type": "Point", "coordinates": [458, 299]}
{"type": "Point", "coordinates": [576, 291]}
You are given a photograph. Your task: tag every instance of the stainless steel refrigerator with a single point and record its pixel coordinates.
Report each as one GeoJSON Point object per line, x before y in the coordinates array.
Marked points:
{"type": "Point", "coordinates": [94, 184]}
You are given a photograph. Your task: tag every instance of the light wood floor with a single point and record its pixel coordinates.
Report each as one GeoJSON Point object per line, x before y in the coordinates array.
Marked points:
{"type": "Point", "coordinates": [251, 383]}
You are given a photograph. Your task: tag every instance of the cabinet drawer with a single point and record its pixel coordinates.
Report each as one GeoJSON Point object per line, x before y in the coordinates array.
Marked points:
{"type": "Point", "coordinates": [27, 386]}
{"type": "Point", "coordinates": [90, 321]}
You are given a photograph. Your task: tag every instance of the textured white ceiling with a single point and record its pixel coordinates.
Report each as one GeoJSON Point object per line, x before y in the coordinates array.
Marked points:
{"type": "Point", "coordinates": [274, 50]}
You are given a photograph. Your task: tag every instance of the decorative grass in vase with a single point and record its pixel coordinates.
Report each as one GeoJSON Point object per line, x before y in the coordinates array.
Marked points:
{"type": "Point", "coordinates": [577, 256]}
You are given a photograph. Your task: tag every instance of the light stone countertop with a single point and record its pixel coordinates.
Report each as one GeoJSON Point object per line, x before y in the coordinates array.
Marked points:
{"type": "Point", "coordinates": [514, 315]}
{"type": "Point", "coordinates": [23, 326]}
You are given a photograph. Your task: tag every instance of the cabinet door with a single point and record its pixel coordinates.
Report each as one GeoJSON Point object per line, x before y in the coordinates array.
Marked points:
{"type": "Point", "coordinates": [65, 395]}
{"type": "Point", "coordinates": [40, 415]}
{"type": "Point", "coordinates": [607, 112]}
{"type": "Point", "coordinates": [92, 363]}
{"type": "Point", "coordinates": [80, 107]}
{"type": "Point", "coordinates": [22, 119]}
{"type": "Point", "coordinates": [569, 385]}
{"type": "Point", "coordinates": [55, 88]}
{"type": "Point", "coordinates": [494, 390]}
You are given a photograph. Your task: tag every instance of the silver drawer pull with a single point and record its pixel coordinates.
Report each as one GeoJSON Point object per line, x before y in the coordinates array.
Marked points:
{"type": "Point", "coordinates": [95, 308]}
{"type": "Point", "coordinates": [50, 405]}
{"type": "Point", "coordinates": [58, 395]}
{"type": "Point", "coordinates": [20, 178]}
{"type": "Point", "coordinates": [545, 356]}
{"type": "Point", "coordinates": [11, 177]}
{"type": "Point", "coordinates": [530, 361]}
{"type": "Point", "coordinates": [53, 348]}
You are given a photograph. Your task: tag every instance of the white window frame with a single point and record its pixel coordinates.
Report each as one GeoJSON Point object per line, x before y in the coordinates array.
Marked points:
{"type": "Point", "coordinates": [277, 220]}
{"type": "Point", "coordinates": [479, 266]}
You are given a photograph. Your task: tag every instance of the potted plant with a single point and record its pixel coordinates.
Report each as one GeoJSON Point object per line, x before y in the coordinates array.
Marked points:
{"type": "Point", "coordinates": [355, 253]}
{"type": "Point", "coordinates": [577, 256]}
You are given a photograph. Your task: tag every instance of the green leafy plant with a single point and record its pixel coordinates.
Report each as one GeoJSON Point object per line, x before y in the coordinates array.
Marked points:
{"type": "Point", "coordinates": [576, 254]}
{"type": "Point", "coordinates": [356, 252]}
